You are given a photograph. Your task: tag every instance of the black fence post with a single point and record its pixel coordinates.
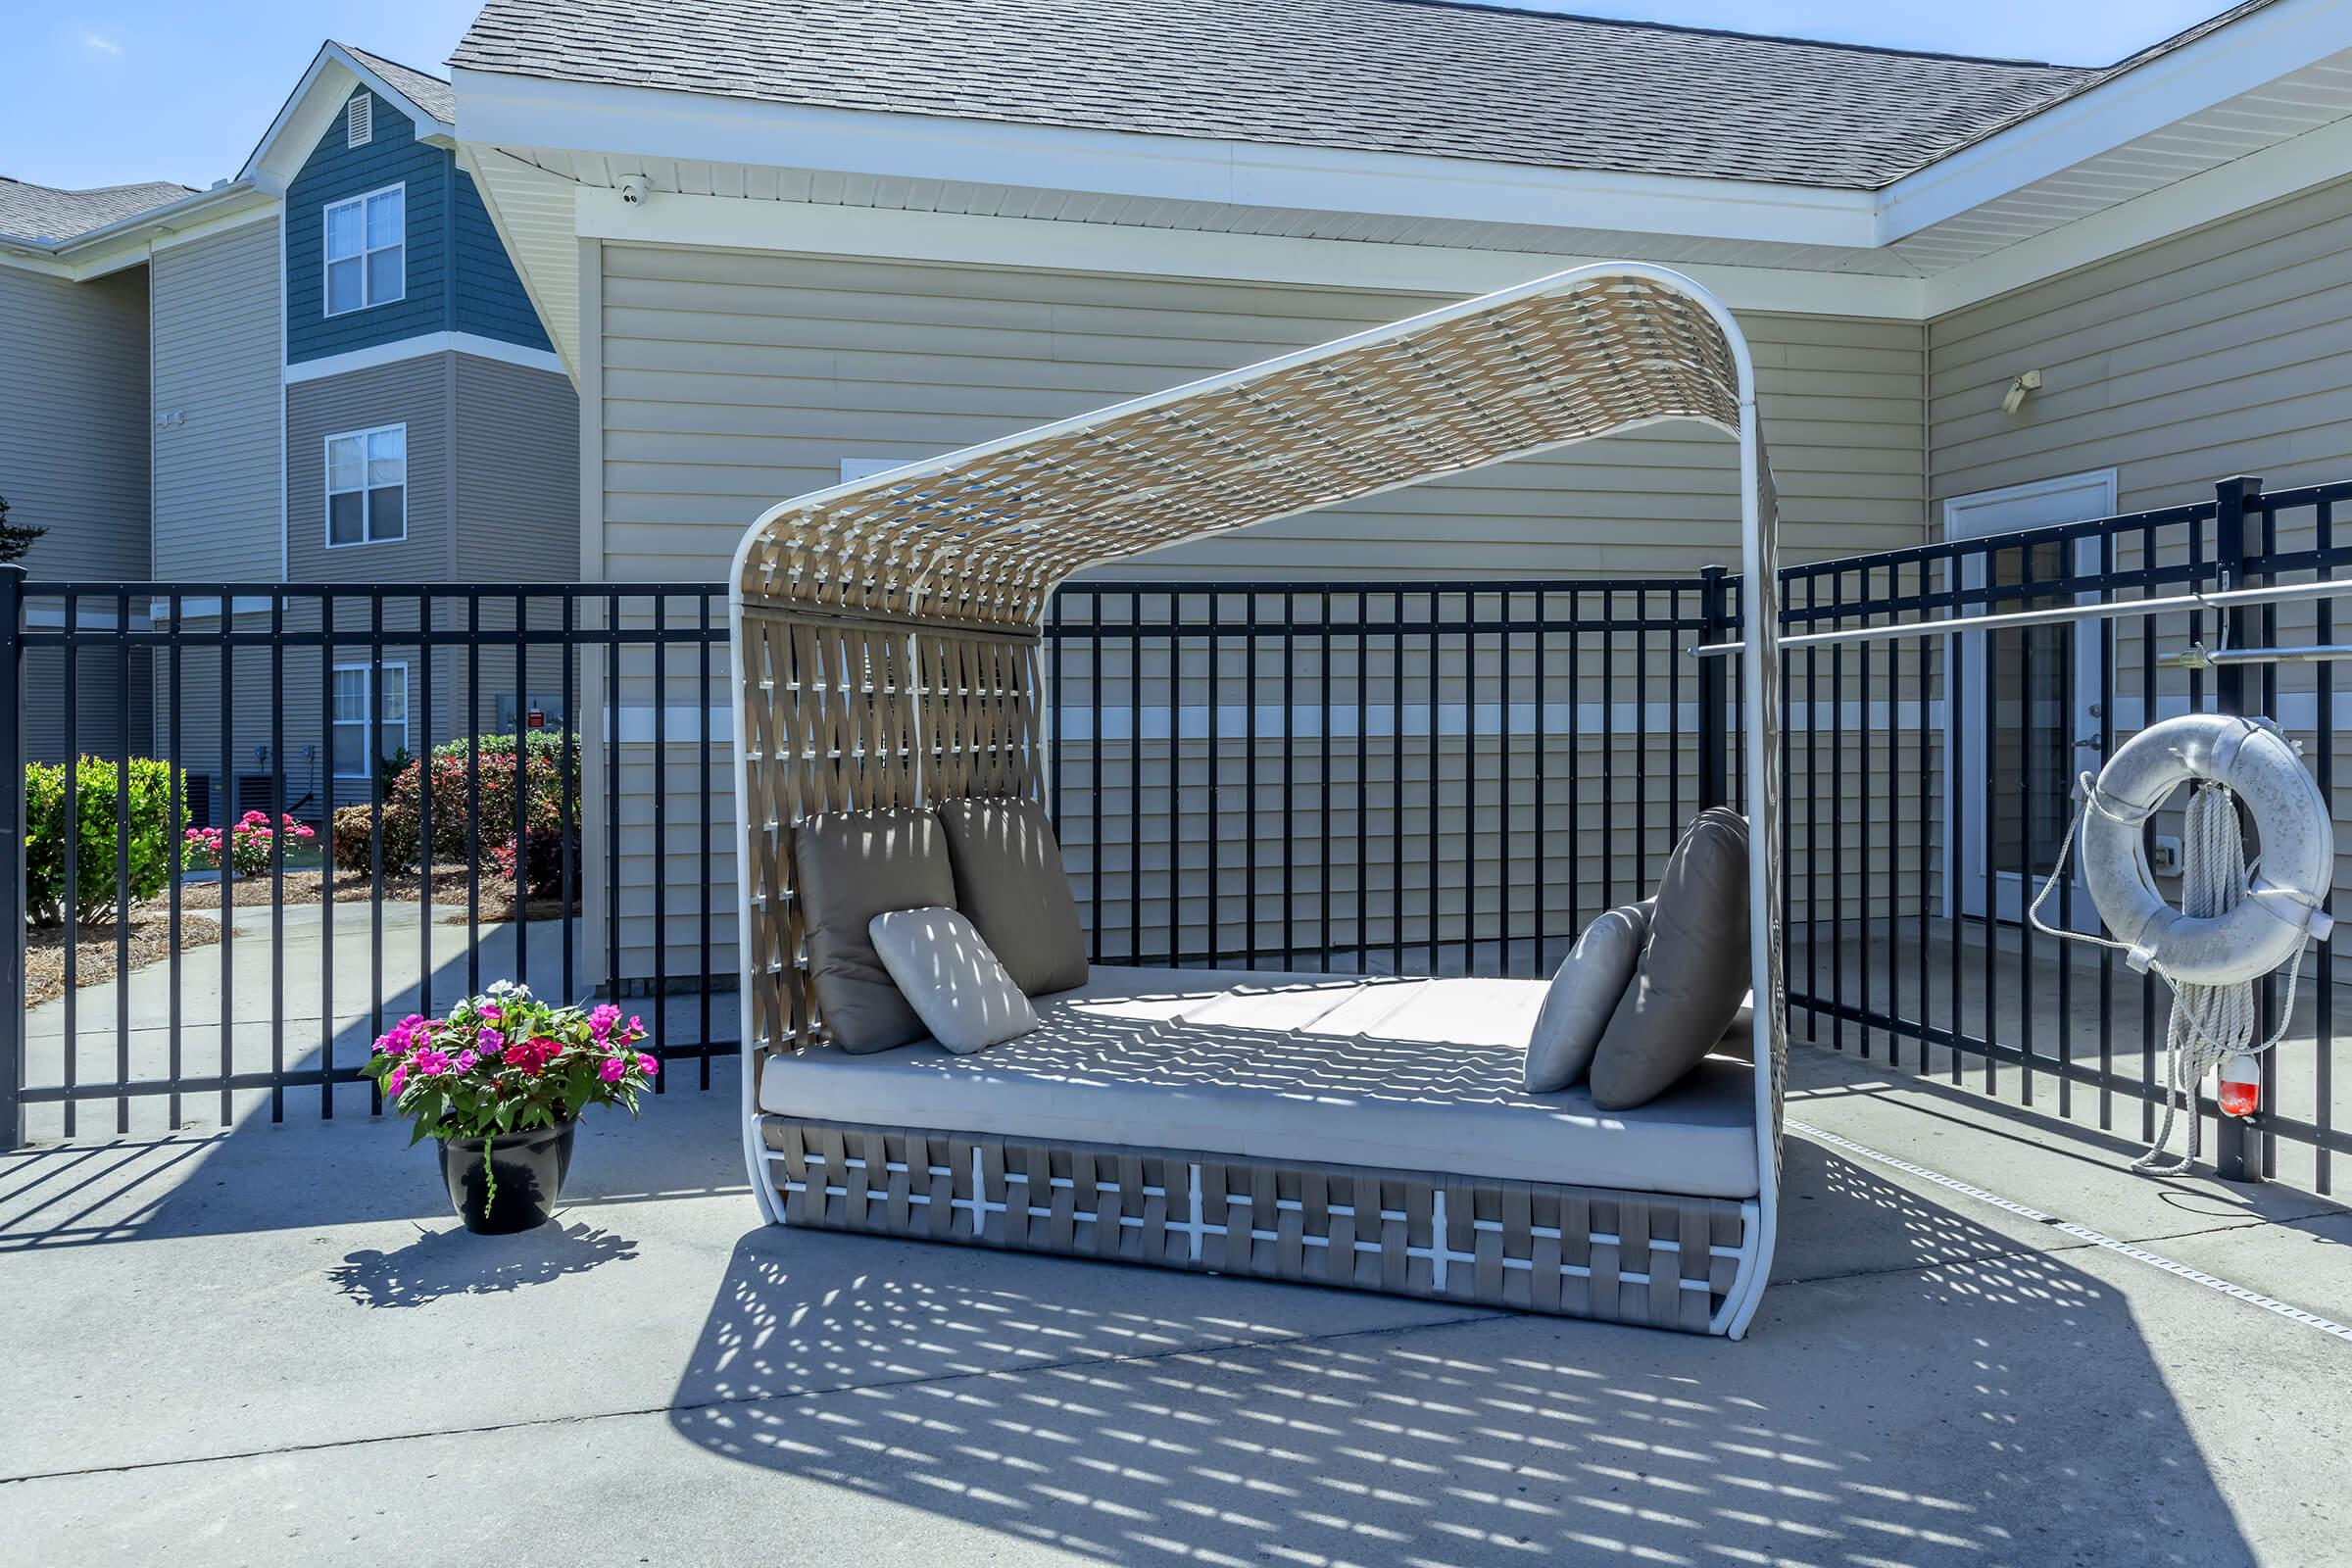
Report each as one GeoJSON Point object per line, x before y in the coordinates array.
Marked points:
{"type": "Point", "coordinates": [1714, 691]}
{"type": "Point", "coordinates": [12, 856]}
{"type": "Point", "coordinates": [2238, 1142]}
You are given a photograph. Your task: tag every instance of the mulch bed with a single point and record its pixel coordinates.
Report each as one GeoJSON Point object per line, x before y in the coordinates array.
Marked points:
{"type": "Point", "coordinates": [94, 951]}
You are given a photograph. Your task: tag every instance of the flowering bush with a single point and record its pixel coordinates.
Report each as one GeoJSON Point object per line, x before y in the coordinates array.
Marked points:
{"type": "Point", "coordinates": [249, 842]}
{"type": "Point", "coordinates": [507, 1061]}
{"type": "Point", "coordinates": [543, 864]}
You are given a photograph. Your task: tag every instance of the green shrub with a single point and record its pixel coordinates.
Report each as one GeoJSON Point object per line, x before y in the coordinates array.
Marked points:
{"type": "Point", "coordinates": [95, 781]}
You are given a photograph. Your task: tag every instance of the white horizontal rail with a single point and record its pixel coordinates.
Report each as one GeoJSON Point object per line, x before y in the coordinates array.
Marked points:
{"type": "Point", "coordinates": [2058, 615]}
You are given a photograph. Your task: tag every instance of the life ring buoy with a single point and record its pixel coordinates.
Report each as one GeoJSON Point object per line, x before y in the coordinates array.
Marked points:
{"type": "Point", "coordinates": [2281, 909]}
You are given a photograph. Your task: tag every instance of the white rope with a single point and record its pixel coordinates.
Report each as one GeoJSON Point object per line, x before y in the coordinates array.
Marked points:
{"type": "Point", "coordinates": [2208, 1023]}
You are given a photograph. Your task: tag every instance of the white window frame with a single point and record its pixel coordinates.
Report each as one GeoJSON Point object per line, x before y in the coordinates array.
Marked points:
{"type": "Point", "coordinates": [327, 257]}
{"type": "Point", "coordinates": [327, 491]}
{"type": "Point", "coordinates": [366, 669]}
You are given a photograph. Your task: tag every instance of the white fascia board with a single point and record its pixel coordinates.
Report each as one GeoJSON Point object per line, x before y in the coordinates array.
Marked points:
{"type": "Point", "coordinates": [2312, 159]}
{"type": "Point", "coordinates": [312, 106]}
{"type": "Point", "coordinates": [2250, 52]}
{"type": "Point", "coordinates": [499, 110]}
{"type": "Point", "coordinates": [417, 348]}
{"type": "Point", "coordinates": [731, 223]}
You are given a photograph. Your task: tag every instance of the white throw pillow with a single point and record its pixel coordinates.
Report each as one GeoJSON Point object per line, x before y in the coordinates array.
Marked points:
{"type": "Point", "coordinates": [950, 979]}
{"type": "Point", "coordinates": [1584, 997]}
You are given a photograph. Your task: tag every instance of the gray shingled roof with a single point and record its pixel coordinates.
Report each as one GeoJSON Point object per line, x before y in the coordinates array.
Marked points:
{"type": "Point", "coordinates": [45, 213]}
{"type": "Point", "coordinates": [1394, 75]}
{"type": "Point", "coordinates": [428, 93]}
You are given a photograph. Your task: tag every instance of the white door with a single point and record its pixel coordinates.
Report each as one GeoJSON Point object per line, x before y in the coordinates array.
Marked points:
{"type": "Point", "coordinates": [2042, 702]}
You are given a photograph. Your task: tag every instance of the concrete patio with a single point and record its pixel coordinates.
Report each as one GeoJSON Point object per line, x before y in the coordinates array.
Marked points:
{"type": "Point", "coordinates": [273, 1344]}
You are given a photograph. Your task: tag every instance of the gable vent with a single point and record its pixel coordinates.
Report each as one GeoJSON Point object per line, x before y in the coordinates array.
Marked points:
{"type": "Point", "coordinates": [359, 121]}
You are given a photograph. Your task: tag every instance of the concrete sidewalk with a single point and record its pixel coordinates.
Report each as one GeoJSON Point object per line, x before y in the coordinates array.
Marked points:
{"type": "Point", "coordinates": [272, 1344]}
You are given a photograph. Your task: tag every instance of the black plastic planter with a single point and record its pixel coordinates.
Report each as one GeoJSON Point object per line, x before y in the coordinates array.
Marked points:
{"type": "Point", "coordinates": [529, 1167]}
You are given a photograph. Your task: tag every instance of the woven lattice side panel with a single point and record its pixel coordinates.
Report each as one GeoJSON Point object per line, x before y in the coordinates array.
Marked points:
{"type": "Point", "coordinates": [979, 707]}
{"type": "Point", "coordinates": [829, 722]}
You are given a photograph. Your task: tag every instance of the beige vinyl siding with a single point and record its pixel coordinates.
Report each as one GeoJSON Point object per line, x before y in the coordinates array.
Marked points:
{"type": "Point", "coordinates": [219, 402]}
{"type": "Point", "coordinates": [2223, 352]}
{"type": "Point", "coordinates": [732, 380]}
{"type": "Point", "coordinates": [73, 459]}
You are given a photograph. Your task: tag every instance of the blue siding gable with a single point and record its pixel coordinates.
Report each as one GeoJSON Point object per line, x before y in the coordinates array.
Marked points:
{"type": "Point", "coordinates": [336, 173]}
{"type": "Point", "coordinates": [459, 275]}
{"type": "Point", "coordinates": [490, 298]}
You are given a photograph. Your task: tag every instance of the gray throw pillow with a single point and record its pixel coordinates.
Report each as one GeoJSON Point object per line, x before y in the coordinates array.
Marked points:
{"type": "Point", "coordinates": [852, 866]}
{"type": "Point", "coordinates": [1009, 882]}
{"type": "Point", "coordinates": [1694, 972]}
{"type": "Point", "coordinates": [950, 979]}
{"type": "Point", "coordinates": [1583, 997]}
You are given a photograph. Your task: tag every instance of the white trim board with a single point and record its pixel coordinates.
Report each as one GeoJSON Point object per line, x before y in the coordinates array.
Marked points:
{"type": "Point", "coordinates": [815, 228]}
{"type": "Point", "coordinates": [417, 348]}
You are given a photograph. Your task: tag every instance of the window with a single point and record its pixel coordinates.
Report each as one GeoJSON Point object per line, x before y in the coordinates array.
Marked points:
{"type": "Point", "coordinates": [359, 121]}
{"type": "Point", "coordinates": [366, 250]}
{"type": "Point", "coordinates": [368, 486]}
{"type": "Point", "coordinates": [352, 717]}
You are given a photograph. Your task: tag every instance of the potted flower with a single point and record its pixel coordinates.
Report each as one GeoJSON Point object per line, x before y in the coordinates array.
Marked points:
{"type": "Point", "coordinates": [501, 1083]}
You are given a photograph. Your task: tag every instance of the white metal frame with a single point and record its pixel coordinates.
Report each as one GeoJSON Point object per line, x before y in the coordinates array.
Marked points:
{"type": "Point", "coordinates": [1760, 682]}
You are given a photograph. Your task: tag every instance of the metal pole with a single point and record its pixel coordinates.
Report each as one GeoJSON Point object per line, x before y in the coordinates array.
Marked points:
{"type": "Point", "coordinates": [2236, 1142]}
{"type": "Point", "coordinates": [1714, 692]}
{"type": "Point", "coordinates": [12, 856]}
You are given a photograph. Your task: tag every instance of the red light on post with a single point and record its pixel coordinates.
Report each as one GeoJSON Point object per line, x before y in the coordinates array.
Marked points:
{"type": "Point", "coordinates": [2241, 1085]}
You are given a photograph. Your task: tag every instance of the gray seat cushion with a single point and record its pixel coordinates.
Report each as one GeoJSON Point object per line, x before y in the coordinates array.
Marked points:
{"type": "Point", "coordinates": [1009, 883]}
{"type": "Point", "coordinates": [1583, 997]}
{"type": "Point", "coordinates": [1412, 1075]}
{"type": "Point", "coordinates": [852, 866]}
{"type": "Point", "coordinates": [950, 979]}
{"type": "Point", "coordinates": [1694, 972]}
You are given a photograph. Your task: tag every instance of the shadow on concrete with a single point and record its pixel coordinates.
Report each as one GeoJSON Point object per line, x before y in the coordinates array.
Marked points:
{"type": "Point", "coordinates": [1972, 1402]}
{"type": "Point", "coordinates": [455, 1262]}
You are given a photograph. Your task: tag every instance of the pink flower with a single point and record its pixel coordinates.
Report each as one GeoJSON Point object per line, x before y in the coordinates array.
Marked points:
{"type": "Point", "coordinates": [613, 1070]}
{"type": "Point", "coordinates": [493, 1014]}
{"type": "Point", "coordinates": [602, 1020]}
{"type": "Point", "coordinates": [400, 1075]}
{"type": "Point", "coordinates": [431, 1063]}
{"type": "Point", "coordinates": [491, 1042]}
{"type": "Point", "coordinates": [465, 1060]}
{"type": "Point", "coordinates": [650, 1065]}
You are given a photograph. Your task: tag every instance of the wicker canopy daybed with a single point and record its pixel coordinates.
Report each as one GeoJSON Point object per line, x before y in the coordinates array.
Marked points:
{"type": "Point", "coordinates": [887, 643]}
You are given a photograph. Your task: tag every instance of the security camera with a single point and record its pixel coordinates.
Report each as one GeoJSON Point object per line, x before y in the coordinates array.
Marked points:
{"type": "Point", "coordinates": [632, 190]}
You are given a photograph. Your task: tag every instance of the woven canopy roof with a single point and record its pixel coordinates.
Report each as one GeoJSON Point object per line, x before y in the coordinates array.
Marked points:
{"type": "Point", "coordinates": [980, 538]}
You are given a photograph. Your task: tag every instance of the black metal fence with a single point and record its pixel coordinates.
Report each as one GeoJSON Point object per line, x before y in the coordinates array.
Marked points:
{"type": "Point", "coordinates": [1447, 777]}
{"type": "Point", "coordinates": [394, 706]}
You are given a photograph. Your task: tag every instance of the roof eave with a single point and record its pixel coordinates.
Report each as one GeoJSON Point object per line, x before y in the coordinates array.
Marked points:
{"type": "Point", "coordinates": [301, 118]}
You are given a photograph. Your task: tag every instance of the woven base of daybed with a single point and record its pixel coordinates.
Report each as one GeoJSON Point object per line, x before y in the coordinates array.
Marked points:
{"type": "Point", "coordinates": [1579, 1251]}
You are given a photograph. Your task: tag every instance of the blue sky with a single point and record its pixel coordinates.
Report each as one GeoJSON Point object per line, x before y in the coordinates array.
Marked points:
{"type": "Point", "coordinates": [129, 90]}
